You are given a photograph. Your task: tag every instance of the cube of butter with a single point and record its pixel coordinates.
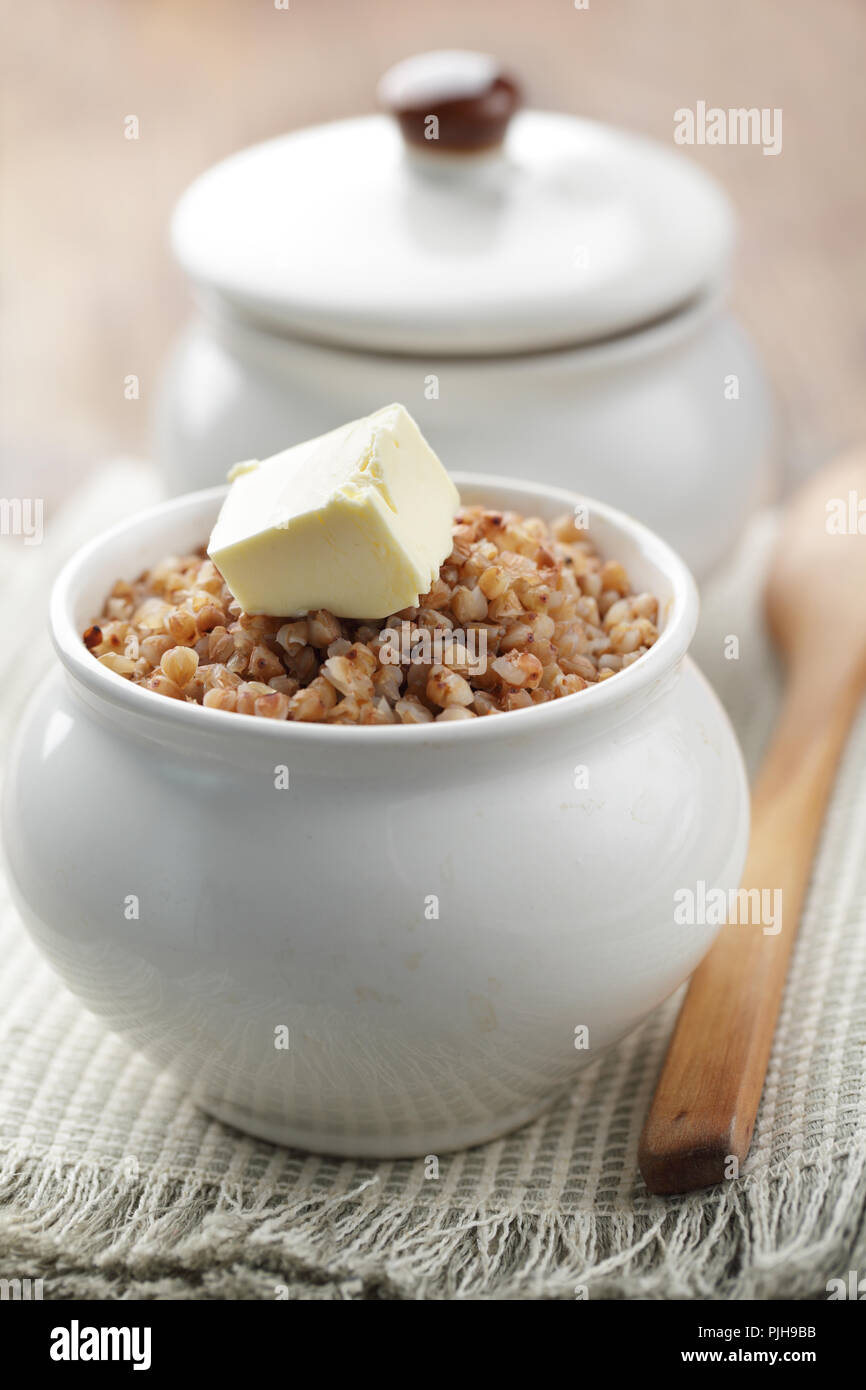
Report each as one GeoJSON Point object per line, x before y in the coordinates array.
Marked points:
{"type": "Point", "coordinates": [357, 521]}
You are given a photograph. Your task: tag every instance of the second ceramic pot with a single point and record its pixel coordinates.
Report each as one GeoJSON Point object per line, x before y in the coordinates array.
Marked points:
{"type": "Point", "coordinates": [550, 306]}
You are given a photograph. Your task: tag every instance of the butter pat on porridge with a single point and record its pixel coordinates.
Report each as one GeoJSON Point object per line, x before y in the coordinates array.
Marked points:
{"type": "Point", "coordinates": [357, 521]}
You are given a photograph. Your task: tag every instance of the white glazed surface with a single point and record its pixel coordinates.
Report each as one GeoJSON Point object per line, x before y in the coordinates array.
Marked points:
{"type": "Point", "coordinates": [305, 908]}
{"type": "Point", "coordinates": [643, 420]}
{"type": "Point", "coordinates": [574, 231]}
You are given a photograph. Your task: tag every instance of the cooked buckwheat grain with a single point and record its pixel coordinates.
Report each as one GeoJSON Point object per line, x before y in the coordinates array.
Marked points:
{"type": "Point", "coordinates": [554, 616]}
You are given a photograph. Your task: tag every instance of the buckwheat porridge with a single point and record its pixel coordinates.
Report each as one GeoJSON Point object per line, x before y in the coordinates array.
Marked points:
{"type": "Point", "coordinates": [521, 613]}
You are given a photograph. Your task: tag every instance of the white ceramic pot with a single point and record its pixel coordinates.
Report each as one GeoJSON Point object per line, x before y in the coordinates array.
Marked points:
{"type": "Point", "coordinates": [552, 307]}
{"type": "Point", "coordinates": [430, 911]}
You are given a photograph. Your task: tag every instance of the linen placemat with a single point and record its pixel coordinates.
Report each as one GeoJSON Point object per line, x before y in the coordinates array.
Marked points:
{"type": "Point", "coordinates": [113, 1185]}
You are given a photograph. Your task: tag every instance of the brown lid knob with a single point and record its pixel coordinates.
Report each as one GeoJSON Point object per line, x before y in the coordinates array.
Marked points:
{"type": "Point", "coordinates": [452, 101]}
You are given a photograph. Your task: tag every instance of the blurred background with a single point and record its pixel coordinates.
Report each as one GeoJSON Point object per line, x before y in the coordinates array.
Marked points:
{"type": "Point", "coordinates": [91, 295]}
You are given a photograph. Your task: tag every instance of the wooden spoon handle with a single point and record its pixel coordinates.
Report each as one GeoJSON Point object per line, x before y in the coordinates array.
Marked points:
{"type": "Point", "coordinates": [706, 1101]}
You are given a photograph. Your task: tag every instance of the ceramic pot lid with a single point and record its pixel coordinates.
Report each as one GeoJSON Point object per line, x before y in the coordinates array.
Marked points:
{"type": "Point", "coordinates": [456, 224]}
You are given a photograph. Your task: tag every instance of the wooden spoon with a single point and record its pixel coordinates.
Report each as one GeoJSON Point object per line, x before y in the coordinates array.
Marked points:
{"type": "Point", "coordinates": [706, 1101]}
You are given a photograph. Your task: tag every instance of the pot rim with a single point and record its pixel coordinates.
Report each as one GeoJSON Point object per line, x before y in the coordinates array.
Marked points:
{"type": "Point", "coordinates": [627, 687]}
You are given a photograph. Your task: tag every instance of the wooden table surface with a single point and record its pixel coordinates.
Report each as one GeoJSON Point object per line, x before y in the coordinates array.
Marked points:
{"type": "Point", "coordinates": [90, 294]}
